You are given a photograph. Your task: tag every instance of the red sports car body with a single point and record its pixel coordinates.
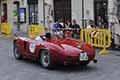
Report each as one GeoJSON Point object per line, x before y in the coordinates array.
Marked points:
{"type": "Point", "coordinates": [54, 51]}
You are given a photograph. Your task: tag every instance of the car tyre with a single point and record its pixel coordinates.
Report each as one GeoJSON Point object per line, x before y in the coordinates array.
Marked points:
{"type": "Point", "coordinates": [17, 54]}
{"type": "Point", "coordinates": [46, 60]}
{"type": "Point", "coordinates": [84, 63]}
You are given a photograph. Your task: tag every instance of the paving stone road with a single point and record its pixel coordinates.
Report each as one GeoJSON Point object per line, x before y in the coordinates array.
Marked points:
{"type": "Point", "coordinates": [107, 68]}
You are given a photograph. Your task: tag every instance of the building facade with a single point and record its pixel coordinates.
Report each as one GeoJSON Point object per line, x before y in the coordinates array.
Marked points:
{"type": "Point", "coordinates": [114, 20]}
{"type": "Point", "coordinates": [21, 13]}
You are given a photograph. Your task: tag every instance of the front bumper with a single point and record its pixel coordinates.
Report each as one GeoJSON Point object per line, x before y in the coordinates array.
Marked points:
{"type": "Point", "coordinates": [77, 60]}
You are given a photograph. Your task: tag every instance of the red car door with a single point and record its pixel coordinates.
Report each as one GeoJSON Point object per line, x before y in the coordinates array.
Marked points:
{"type": "Point", "coordinates": [30, 50]}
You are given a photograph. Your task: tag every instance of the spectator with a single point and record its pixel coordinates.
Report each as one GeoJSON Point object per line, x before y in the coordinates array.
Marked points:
{"type": "Point", "coordinates": [76, 28]}
{"type": "Point", "coordinates": [100, 21]}
{"type": "Point", "coordinates": [68, 24]}
{"type": "Point", "coordinates": [51, 23]}
{"type": "Point", "coordinates": [62, 23]}
{"type": "Point", "coordinates": [74, 24]}
{"type": "Point", "coordinates": [67, 32]}
{"type": "Point", "coordinates": [106, 22]}
{"type": "Point", "coordinates": [57, 26]}
{"type": "Point", "coordinates": [91, 24]}
{"type": "Point", "coordinates": [4, 19]}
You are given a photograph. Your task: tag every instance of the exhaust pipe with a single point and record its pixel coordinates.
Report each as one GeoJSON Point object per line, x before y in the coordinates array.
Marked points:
{"type": "Point", "coordinates": [95, 61]}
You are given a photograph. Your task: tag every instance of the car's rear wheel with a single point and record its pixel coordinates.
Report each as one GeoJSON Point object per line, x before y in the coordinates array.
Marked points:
{"type": "Point", "coordinates": [45, 59]}
{"type": "Point", "coordinates": [17, 54]}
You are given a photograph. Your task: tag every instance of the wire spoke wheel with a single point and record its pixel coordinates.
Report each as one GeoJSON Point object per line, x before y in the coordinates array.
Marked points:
{"type": "Point", "coordinates": [17, 52]}
{"type": "Point", "coordinates": [46, 61]}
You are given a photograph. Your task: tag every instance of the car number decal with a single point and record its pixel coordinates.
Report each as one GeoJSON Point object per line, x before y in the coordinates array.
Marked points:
{"type": "Point", "coordinates": [32, 47]}
{"type": "Point", "coordinates": [83, 56]}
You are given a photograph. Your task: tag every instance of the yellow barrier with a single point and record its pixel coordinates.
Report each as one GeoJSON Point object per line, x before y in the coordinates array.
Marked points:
{"type": "Point", "coordinates": [35, 30]}
{"type": "Point", "coordinates": [97, 37]}
{"type": "Point", "coordinates": [6, 29]}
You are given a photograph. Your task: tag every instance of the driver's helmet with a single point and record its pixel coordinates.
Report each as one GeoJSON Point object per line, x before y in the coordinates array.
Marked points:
{"type": "Point", "coordinates": [48, 35]}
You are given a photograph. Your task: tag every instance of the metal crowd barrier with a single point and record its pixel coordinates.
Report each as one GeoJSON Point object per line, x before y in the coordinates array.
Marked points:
{"type": "Point", "coordinates": [100, 38]}
{"type": "Point", "coordinates": [6, 29]}
{"type": "Point", "coordinates": [35, 30]}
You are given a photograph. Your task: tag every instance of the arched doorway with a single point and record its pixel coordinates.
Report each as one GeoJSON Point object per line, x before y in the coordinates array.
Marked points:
{"type": "Point", "coordinates": [62, 9]}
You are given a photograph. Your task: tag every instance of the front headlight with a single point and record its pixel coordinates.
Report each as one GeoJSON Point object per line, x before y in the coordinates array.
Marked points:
{"type": "Point", "coordinates": [79, 46]}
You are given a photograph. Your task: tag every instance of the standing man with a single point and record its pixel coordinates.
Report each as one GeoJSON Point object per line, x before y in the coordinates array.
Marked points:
{"type": "Point", "coordinates": [49, 25]}
{"type": "Point", "coordinates": [76, 29]}
{"type": "Point", "coordinates": [100, 21]}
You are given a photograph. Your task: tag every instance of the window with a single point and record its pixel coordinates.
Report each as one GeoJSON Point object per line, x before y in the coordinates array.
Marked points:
{"type": "Point", "coordinates": [16, 12]}
{"type": "Point", "coordinates": [33, 11]}
{"type": "Point", "coordinates": [101, 9]}
{"type": "Point", "coordinates": [119, 10]}
{"type": "Point", "coordinates": [4, 13]}
{"type": "Point", "coordinates": [62, 9]}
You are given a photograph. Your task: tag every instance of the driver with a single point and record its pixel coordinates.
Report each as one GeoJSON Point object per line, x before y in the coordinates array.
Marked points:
{"type": "Point", "coordinates": [48, 35]}
{"type": "Point", "coordinates": [38, 39]}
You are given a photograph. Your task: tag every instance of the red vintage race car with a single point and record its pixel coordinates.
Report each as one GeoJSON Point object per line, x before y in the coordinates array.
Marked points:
{"type": "Point", "coordinates": [51, 50]}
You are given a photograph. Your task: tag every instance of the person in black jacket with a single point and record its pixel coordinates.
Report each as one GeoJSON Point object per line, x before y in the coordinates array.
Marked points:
{"type": "Point", "coordinates": [76, 29]}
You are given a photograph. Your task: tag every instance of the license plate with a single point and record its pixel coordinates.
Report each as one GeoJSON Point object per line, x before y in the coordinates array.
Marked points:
{"type": "Point", "coordinates": [83, 56]}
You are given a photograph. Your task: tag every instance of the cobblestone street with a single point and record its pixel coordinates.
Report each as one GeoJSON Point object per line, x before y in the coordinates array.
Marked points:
{"type": "Point", "coordinates": [107, 68]}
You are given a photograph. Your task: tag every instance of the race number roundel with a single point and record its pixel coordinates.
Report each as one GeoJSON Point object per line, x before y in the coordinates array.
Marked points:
{"type": "Point", "coordinates": [32, 47]}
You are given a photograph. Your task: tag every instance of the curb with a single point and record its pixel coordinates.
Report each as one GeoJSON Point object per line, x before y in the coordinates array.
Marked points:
{"type": "Point", "coordinates": [7, 37]}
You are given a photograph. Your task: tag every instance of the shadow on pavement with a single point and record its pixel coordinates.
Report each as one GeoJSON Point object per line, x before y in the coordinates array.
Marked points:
{"type": "Point", "coordinates": [61, 68]}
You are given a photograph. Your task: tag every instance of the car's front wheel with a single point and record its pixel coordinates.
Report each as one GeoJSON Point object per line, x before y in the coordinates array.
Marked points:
{"type": "Point", "coordinates": [45, 59]}
{"type": "Point", "coordinates": [16, 51]}
{"type": "Point", "coordinates": [84, 63]}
